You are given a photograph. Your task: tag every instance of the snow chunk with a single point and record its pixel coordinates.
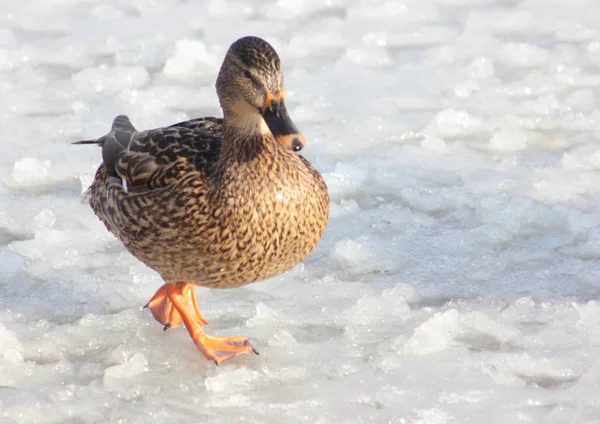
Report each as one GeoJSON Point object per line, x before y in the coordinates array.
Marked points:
{"type": "Point", "coordinates": [434, 335]}
{"type": "Point", "coordinates": [390, 306]}
{"type": "Point", "coordinates": [345, 207]}
{"type": "Point", "coordinates": [453, 123]}
{"type": "Point", "coordinates": [231, 379]}
{"type": "Point", "coordinates": [345, 180]}
{"type": "Point", "coordinates": [349, 251]}
{"type": "Point", "coordinates": [190, 61]}
{"type": "Point", "coordinates": [44, 219]}
{"type": "Point", "coordinates": [31, 171]}
{"type": "Point", "coordinates": [11, 350]}
{"type": "Point", "coordinates": [32, 174]}
{"type": "Point", "coordinates": [524, 55]}
{"type": "Point", "coordinates": [509, 140]}
{"type": "Point", "coordinates": [130, 368]}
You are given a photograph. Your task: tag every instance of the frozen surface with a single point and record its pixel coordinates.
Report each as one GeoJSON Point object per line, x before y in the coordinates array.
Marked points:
{"type": "Point", "coordinates": [458, 280]}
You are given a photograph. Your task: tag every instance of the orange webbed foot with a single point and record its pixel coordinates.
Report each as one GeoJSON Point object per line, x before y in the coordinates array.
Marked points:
{"type": "Point", "coordinates": [219, 349]}
{"type": "Point", "coordinates": [164, 312]}
{"type": "Point", "coordinates": [215, 348]}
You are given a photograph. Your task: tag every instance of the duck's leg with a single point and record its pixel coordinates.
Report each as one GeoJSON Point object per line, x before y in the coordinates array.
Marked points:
{"type": "Point", "coordinates": [163, 311]}
{"type": "Point", "coordinates": [217, 349]}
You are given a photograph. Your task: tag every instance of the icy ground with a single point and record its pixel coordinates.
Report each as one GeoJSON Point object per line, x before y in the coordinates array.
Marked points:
{"type": "Point", "coordinates": [457, 282]}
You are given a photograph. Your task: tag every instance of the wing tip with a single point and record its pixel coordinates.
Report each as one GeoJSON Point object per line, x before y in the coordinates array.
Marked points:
{"type": "Point", "coordinates": [85, 142]}
{"type": "Point", "coordinates": [123, 123]}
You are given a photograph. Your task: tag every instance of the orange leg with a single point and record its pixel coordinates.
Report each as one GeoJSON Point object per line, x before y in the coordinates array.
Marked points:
{"type": "Point", "coordinates": [217, 349]}
{"type": "Point", "coordinates": [163, 311]}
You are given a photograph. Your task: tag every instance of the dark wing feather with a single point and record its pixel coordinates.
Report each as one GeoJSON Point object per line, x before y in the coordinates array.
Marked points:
{"type": "Point", "coordinates": [113, 143]}
{"type": "Point", "coordinates": [161, 157]}
{"type": "Point", "coordinates": [157, 158]}
{"type": "Point", "coordinates": [209, 125]}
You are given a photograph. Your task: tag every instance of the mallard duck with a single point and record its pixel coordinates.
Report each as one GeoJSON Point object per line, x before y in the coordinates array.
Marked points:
{"type": "Point", "coordinates": [210, 202]}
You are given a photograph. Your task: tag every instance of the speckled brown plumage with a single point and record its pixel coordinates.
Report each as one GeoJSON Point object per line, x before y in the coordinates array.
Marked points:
{"type": "Point", "coordinates": [194, 215]}
{"type": "Point", "coordinates": [217, 203]}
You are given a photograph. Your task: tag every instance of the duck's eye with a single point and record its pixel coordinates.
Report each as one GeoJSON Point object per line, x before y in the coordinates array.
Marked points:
{"type": "Point", "coordinates": [248, 75]}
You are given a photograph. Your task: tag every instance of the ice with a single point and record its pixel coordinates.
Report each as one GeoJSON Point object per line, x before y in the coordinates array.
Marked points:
{"type": "Point", "coordinates": [509, 140]}
{"type": "Point", "coordinates": [434, 335]}
{"type": "Point", "coordinates": [226, 381]}
{"type": "Point", "coordinates": [110, 80]}
{"type": "Point", "coordinates": [454, 123]}
{"type": "Point", "coordinates": [458, 278]}
{"type": "Point", "coordinates": [345, 179]}
{"type": "Point", "coordinates": [31, 171]}
{"type": "Point", "coordinates": [12, 351]}
{"type": "Point", "coordinates": [524, 55]}
{"type": "Point", "coordinates": [190, 61]}
{"type": "Point", "coordinates": [134, 366]}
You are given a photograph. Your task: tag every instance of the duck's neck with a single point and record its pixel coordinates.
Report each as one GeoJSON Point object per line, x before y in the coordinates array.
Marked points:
{"type": "Point", "coordinates": [244, 150]}
{"type": "Point", "coordinates": [244, 139]}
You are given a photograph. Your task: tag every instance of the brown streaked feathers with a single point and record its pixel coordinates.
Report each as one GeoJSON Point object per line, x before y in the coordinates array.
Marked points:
{"type": "Point", "coordinates": [210, 201]}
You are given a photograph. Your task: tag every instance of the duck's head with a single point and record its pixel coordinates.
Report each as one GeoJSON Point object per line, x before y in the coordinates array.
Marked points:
{"type": "Point", "coordinates": [250, 89]}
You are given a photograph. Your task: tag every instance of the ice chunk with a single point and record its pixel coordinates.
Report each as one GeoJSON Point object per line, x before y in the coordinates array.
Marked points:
{"type": "Point", "coordinates": [522, 368]}
{"type": "Point", "coordinates": [434, 144]}
{"type": "Point", "coordinates": [345, 180]}
{"type": "Point", "coordinates": [434, 335]}
{"type": "Point", "coordinates": [453, 123]}
{"type": "Point", "coordinates": [524, 55]}
{"type": "Point", "coordinates": [391, 305]}
{"type": "Point", "coordinates": [134, 366]}
{"type": "Point", "coordinates": [44, 219]}
{"type": "Point", "coordinates": [481, 68]}
{"type": "Point", "coordinates": [264, 315]}
{"type": "Point", "coordinates": [11, 350]}
{"type": "Point", "coordinates": [584, 157]}
{"type": "Point", "coordinates": [581, 101]}
{"type": "Point", "coordinates": [231, 379]}
{"type": "Point", "coordinates": [509, 140]}
{"type": "Point", "coordinates": [33, 174]}
{"type": "Point", "coordinates": [345, 207]}
{"type": "Point", "coordinates": [107, 12]}
{"type": "Point", "coordinates": [349, 251]}
{"type": "Point", "coordinates": [479, 330]}
{"type": "Point", "coordinates": [282, 338]}
{"type": "Point", "coordinates": [30, 171]}
{"type": "Point", "coordinates": [190, 61]}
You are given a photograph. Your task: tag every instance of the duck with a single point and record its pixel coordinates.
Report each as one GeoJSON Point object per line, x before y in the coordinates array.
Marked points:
{"type": "Point", "coordinates": [214, 202]}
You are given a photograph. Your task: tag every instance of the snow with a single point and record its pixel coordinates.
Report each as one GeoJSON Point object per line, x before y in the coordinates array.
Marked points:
{"type": "Point", "coordinates": [458, 279]}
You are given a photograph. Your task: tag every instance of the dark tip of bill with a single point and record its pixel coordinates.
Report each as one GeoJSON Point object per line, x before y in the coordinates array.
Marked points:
{"type": "Point", "coordinates": [167, 326]}
{"type": "Point", "coordinates": [296, 145]}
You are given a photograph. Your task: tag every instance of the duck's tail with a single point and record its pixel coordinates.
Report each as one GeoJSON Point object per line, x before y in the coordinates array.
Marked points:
{"type": "Point", "coordinates": [114, 142]}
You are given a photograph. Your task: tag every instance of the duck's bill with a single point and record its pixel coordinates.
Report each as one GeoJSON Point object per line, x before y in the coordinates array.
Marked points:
{"type": "Point", "coordinates": [281, 125]}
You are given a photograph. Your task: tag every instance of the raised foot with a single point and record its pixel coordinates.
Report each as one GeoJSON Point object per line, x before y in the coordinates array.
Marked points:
{"type": "Point", "coordinates": [164, 312]}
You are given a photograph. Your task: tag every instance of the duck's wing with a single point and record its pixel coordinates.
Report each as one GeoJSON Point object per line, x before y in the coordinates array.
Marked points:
{"type": "Point", "coordinates": [113, 143]}
{"type": "Point", "coordinates": [209, 124]}
{"type": "Point", "coordinates": [163, 156]}
{"type": "Point", "coordinates": [147, 160]}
